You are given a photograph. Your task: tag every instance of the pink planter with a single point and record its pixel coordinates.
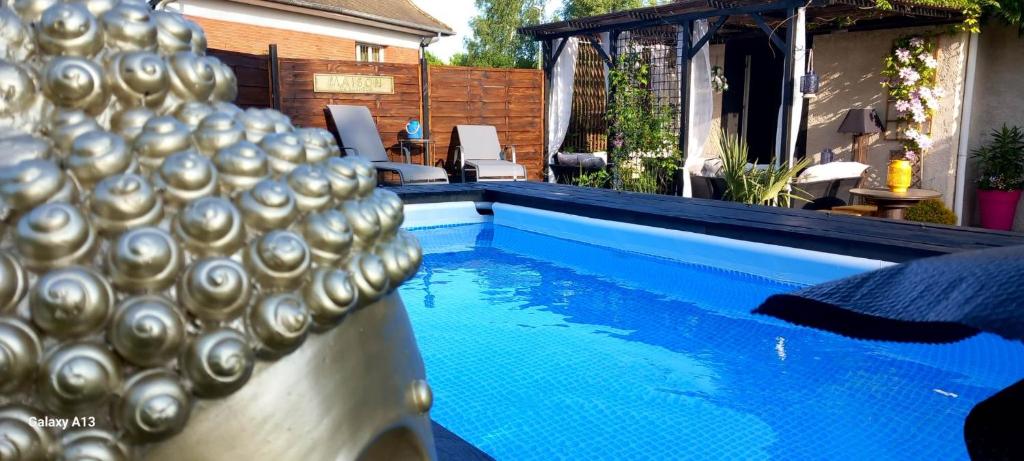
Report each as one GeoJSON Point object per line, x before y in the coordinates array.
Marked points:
{"type": "Point", "coordinates": [997, 208]}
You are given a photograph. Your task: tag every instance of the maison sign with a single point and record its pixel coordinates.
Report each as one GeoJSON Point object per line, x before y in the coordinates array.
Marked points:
{"type": "Point", "coordinates": [348, 83]}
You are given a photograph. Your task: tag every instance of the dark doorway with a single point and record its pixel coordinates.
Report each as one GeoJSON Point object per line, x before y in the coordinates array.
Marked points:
{"type": "Point", "coordinates": [763, 95]}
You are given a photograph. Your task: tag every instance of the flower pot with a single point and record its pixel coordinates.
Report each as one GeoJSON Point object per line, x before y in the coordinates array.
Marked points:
{"type": "Point", "coordinates": [997, 208]}
{"type": "Point", "coordinates": [900, 175]}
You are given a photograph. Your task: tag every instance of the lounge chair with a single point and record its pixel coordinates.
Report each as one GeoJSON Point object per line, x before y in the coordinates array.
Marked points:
{"type": "Point", "coordinates": [479, 151]}
{"type": "Point", "coordinates": [828, 185]}
{"type": "Point", "coordinates": [357, 134]}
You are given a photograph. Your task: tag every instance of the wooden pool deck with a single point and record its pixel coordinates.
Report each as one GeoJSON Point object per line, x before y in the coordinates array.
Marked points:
{"type": "Point", "coordinates": [873, 238]}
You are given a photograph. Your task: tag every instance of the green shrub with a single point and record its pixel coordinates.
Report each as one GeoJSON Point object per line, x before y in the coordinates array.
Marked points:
{"type": "Point", "coordinates": [931, 211]}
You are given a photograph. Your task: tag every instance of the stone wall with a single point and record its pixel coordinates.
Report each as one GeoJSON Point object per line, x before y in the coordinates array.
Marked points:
{"type": "Point", "coordinates": [850, 67]}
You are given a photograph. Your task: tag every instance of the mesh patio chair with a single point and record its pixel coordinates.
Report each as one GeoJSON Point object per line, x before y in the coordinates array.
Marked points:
{"type": "Point", "coordinates": [357, 135]}
{"type": "Point", "coordinates": [479, 151]}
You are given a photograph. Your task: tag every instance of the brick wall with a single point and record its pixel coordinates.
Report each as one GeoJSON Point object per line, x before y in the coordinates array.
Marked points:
{"type": "Point", "coordinates": [245, 38]}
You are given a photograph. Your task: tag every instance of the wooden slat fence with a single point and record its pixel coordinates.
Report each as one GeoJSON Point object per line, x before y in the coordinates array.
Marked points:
{"type": "Point", "coordinates": [510, 99]}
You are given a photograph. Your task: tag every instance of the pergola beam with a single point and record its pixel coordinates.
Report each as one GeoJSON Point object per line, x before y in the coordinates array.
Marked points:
{"type": "Point", "coordinates": [645, 21]}
{"type": "Point", "coordinates": [592, 39]}
{"type": "Point", "coordinates": [781, 45]}
{"type": "Point", "coordinates": [708, 36]}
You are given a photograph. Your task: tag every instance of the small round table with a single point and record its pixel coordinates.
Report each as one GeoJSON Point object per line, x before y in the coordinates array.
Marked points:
{"type": "Point", "coordinates": [893, 205]}
{"type": "Point", "coordinates": [424, 144]}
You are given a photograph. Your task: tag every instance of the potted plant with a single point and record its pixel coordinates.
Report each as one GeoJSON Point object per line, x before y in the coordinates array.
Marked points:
{"type": "Point", "coordinates": [1001, 177]}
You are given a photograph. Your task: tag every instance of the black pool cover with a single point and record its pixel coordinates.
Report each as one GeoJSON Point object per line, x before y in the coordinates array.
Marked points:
{"type": "Point", "coordinates": [932, 300]}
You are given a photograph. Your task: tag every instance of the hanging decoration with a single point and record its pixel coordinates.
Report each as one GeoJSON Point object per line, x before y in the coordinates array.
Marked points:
{"type": "Point", "coordinates": [718, 81]}
{"type": "Point", "coordinates": [809, 83]}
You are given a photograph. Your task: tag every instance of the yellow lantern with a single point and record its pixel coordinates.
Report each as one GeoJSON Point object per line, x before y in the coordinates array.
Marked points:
{"type": "Point", "coordinates": [899, 175]}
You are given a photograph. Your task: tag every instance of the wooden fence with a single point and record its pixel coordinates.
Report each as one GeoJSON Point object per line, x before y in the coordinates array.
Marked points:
{"type": "Point", "coordinates": [510, 99]}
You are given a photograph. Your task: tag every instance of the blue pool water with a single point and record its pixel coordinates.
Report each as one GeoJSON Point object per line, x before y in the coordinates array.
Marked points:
{"type": "Point", "coordinates": [540, 349]}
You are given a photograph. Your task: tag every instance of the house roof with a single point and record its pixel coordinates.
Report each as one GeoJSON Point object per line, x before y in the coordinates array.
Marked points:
{"type": "Point", "coordinates": [820, 13]}
{"type": "Point", "coordinates": [396, 13]}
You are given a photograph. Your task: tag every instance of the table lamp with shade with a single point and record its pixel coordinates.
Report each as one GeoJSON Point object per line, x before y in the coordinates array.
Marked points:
{"type": "Point", "coordinates": [860, 122]}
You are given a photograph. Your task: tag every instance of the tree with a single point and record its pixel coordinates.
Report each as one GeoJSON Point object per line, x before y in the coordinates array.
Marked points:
{"type": "Point", "coordinates": [434, 59]}
{"type": "Point", "coordinates": [573, 9]}
{"type": "Point", "coordinates": [495, 42]}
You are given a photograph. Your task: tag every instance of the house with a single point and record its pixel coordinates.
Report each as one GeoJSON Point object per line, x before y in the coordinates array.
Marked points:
{"type": "Point", "coordinates": [390, 31]}
{"type": "Point", "coordinates": [850, 41]}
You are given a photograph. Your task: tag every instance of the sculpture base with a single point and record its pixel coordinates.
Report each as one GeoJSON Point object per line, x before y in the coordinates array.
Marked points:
{"type": "Point", "coordinates": [354, 392]}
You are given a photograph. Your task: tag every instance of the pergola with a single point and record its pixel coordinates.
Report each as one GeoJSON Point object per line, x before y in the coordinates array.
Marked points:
{"type": "Point", "coordinates": [786, 22]}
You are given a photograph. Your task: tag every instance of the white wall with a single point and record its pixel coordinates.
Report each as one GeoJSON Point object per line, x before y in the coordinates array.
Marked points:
{"type": "Point", "coordinates": [850, 65]}
{"type": "Point", "coordinates": [998, 99]}
{"type": "Point", "coordinates": [266, 17]}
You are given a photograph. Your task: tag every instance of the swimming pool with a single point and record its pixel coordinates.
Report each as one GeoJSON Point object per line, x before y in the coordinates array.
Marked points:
{"type": "Point", "coordinates": [539, 347]}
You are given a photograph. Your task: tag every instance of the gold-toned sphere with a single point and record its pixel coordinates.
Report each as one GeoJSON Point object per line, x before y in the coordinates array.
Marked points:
{"type": "Point", "coordinates": [122, 202]}
{"type": "Point", "coordinates": [147, 330]}
{"type": "Point", "coordinates": [279, 323]}
{"type": "Point", "coordinates": [214, 289]}
{"type": "Point", "coordinates": [210, 226]}
{"type": "Point", "coordinates": [184, 177]}
{"type": "Point", "coordinates": [155, 406]}
{"type": "Point", "coordinates": [71, 302]}
{"type": "Point", "coordinates": [20, 351]}
{"type": "Point", "coordinates": [92, 445]}
{"type": "Point", "coordinates": [69, 29]}
{"type": "Point", "coordinates": [13, 282]}
{"type": "Point", "coordinates": [78, 377]}
{"type": "Point", "coordinates": [96, 155]}
{"type": "Point", "coordinates": [137, 79]}
{"type": "Point", "coordinates": [218, 363]}
{"type": "Point", "coordinates": [129, 26]}
{"type": "Point", "coordinates": [22, 439]}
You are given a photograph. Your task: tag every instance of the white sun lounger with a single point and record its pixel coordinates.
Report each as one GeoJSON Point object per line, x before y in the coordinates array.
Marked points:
{"type": "Point", "coordinates": [480, 152]}
{"type": "Point", "coordinates": [358, 133]}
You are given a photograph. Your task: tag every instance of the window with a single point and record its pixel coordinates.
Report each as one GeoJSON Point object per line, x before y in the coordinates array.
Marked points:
{"type": "Point", "coordinates": [369, 53]}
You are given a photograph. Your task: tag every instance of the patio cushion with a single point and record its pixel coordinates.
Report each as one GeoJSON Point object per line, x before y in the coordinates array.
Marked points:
{"type": "Point", "coordinates": [830, 171]}
{"type": "Point", "coordinates": [587, 161]}
{"type": "Point", "coordinates": [939, 299]}
{"type": "Point", "coordinates": [479, 142]}
{"type": "Point", "coordinates": [358, 131]}
{"type": "Point", "coordinates": [412, 173]}
{"type": "Point", "coordinates": [497, 169]}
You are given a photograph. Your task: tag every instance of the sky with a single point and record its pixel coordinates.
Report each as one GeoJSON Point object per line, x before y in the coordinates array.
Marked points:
{"type": "Point", "coordinates": [457, 13]}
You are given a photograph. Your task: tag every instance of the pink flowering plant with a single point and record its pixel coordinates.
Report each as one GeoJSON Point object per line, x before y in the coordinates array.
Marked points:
{"type": "Point", "coordinates": [909, 73]}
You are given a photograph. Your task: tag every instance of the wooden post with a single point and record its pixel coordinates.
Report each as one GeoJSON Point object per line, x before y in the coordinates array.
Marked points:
{"type": "Point", "coordinates": [613, 46]}
{"type": "Point", "coordinates": [428, 156]}
{"type": "Point", "coordinates": [548, 75]}
{"type": "Point", "coordinates": [683, 46]}
{"type": "Point", "coordinates": [275, 78]}
{"type": "Point", "coordinates": [788, 71]}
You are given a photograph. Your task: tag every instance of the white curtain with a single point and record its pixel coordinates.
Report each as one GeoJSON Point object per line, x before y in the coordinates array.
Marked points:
{"type": "Point", "coordinates": [560, 97]}
{"type": "Point", "coordinates": [606, 45]}
{"type": "Point", "coordinates": [701, 107]}
{"type": "Point", "coordinates": [799, 68]}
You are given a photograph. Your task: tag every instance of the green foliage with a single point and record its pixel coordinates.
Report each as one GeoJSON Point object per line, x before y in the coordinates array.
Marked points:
{"type": "Point", "coordinates": [909, 72]}
{"type": "Point", "coordinates": [1009, 11]}
{"type": "Point", "coordinates": [572, 9]}
{"type": "Point", "coordinates": [931, 211]}
{"type": "Point", "coordinates": [644, 145]}
{"type": "Point", "coordinates": [495, 42]}
{"type": "Point", "coordinates": [1001, 160]}
{"type": "Point", "coordinates": [599, 178]}
{"type": "Point", "coordinates": [750, 184]}
{"type": "Point", "coordinates": [434, 60]}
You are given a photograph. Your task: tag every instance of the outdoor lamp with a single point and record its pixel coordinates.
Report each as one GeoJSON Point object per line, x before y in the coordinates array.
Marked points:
{"type": "Point", "coordinates": [860, 122]}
